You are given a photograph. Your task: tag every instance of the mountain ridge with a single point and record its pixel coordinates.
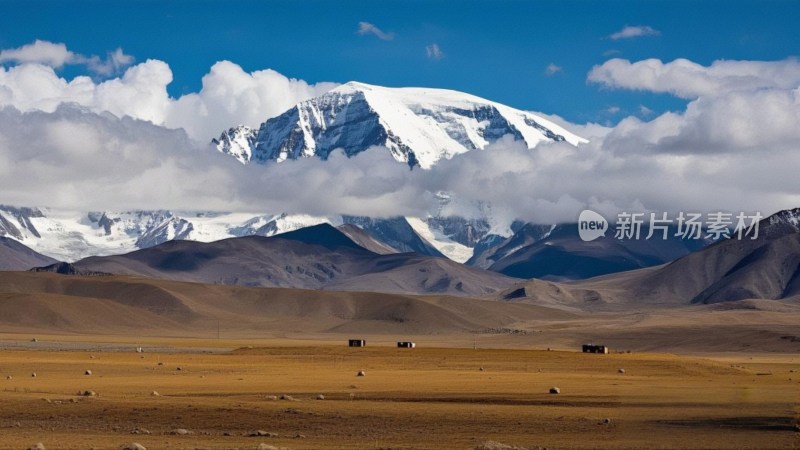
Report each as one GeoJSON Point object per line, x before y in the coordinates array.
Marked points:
{"type": "Point", "coordinates": [317, 257]}
{"type": "Point", "coordinates": [725, 272]}
{"type": "Point", "coordinates": [70, 235]}
{"type": "Point", "coordinates": [16, 256]}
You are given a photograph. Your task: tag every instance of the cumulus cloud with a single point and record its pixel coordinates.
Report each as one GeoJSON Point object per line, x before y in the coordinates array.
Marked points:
{"type": "Point", "coordinates": [42, 52]}
{"type": "Point", "coordinates": [434, 52]}
{"type": "Point", "coordinates": [56, 55]}
{"type": "Point", "coordinates": [365, 28]}
{"type": "Point", "coordinates": [229, 95]}
{"type": "Point", "coordinates": [687, 79]}
{"type": "Point", "coordinates": [756, 122]}
{"type": "Point", "coordinates": [113, 63]}
{"type": "Point", "coordinates": [628, 32]}
{"type": "Point", "coordinates": [371, 183]}
{"type": "Point", "coordinates": [82, 160]}
{"type": "Point", "coordinates": [140, 93]}
{"type": "Point", "coordinates": [76, 159]}
{"type": "Point", "coordinates": [552, 69]}
{"type": "Point", "coordinates": [732, 148]}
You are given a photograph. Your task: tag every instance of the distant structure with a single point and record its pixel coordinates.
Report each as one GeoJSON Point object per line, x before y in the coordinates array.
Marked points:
{"type": "Point", "coordinates": [592, 348]}
{"type": "Point", "coordinates": [406, 344]}
{"type": "Point", "coordinates": [357, 343]}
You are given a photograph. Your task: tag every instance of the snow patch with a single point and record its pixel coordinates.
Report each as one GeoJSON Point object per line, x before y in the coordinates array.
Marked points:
{"type": "Point", "coordinates": [453, 250]}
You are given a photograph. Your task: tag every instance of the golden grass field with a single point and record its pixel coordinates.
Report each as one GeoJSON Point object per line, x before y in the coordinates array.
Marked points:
{"type": "Point", "coordinates": [423, 398]}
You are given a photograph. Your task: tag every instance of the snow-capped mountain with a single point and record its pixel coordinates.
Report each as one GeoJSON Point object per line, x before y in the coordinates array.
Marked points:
{"type": "Point", "coordinates": [237, 142]}
{"type": "Point", "coordinates": [786, 221]}
{"type": "Point", "coordinates": [419, 126]}
{"type": "Point", "coordinates": [70, 236]}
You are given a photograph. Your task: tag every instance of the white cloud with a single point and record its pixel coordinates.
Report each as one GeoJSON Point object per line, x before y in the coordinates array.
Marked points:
{"type": "Point", "coordinates": [552, 69]}
{"type": "Point", "coordinates": [42, 52]}
{"type": "Point", "coordinates": [140, 92]}
{"type": "Point", "coordinates": [76, 159]}
{"type": "Point", "coordinates": [645, 111]}
{"type": "Point", "coordinates": [115, 61]}
{"type": "Point", "coordinates": [628, 32]}
{"type": "Point", "coordinates": [72, 158]}
{"type": "Point", "coordinates": [613, 110]}
{"type": "Point", "coordinates": [733, 146]}
{"type": "Point", "coordinates": [365, 28]}
{"type": "Point", "coordinates": [738, 122]}
{"type": "Point", "coordinates": [434, 52]}
{"type": "Point", "coordinates": [82, 159]}
{"type": "Point", "coordinates": [229, 96]}
{"type": "Point", "coordinates": [371, 183]}
{"type": "Point", "coordinates": [56, 55]}
{"type": "Point", "coordinates": [687, 79]}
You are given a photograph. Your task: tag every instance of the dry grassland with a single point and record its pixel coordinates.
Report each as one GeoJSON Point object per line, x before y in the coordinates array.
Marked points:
{"type": "Point", "coordinates": [425, 398]}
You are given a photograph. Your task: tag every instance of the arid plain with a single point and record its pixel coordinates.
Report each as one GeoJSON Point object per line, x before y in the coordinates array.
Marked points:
{"type": "Point", "coordinates": [695, 377]}
{"type": "Point", "coordinates": [419, 398]}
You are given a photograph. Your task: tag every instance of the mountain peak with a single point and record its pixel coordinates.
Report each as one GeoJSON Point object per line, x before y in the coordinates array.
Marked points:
{"type": "Point", "coordinates": [418, 126]}
{"type": "Point", "coordinates": [353, 86]}
{"type": "Point", "coordinates": [324, 235]}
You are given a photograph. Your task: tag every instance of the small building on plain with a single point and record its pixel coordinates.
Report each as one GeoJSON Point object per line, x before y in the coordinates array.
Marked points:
{"type": "Point", "coordinates": [357, 343]}
{"type": "Point", "coordinates": [406, 344]}
{"type": "Point", "coordinates": [594, 348]}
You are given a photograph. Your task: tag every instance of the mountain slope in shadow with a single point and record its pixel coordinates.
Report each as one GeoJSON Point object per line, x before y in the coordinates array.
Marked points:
{"type": "Point", "coordinates": [765, 268]}
{"type": "Point", "coordinates": [16, 256]}
{"type": "Point", "coordinates": [315, 257]}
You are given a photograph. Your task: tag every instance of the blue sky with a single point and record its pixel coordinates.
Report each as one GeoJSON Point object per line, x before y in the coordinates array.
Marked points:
{"type": "Point", "coordinates": [498, 50]}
